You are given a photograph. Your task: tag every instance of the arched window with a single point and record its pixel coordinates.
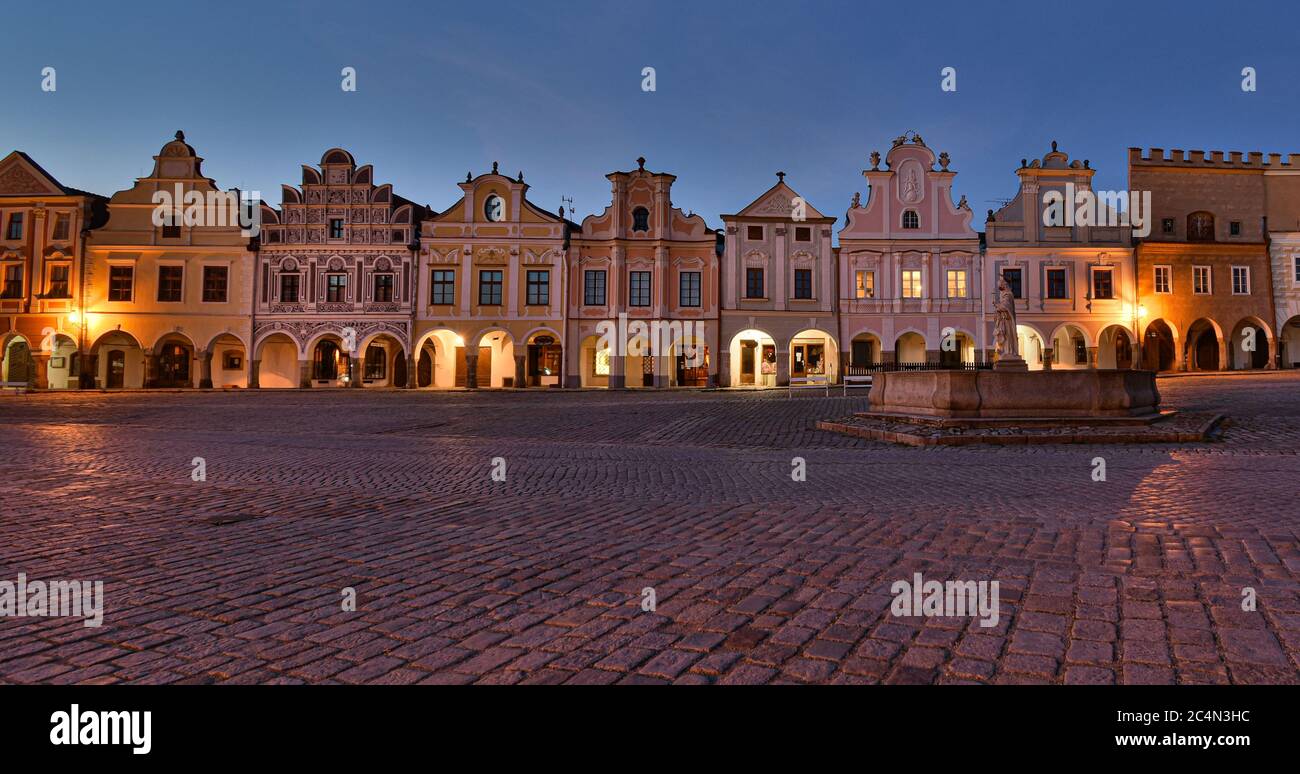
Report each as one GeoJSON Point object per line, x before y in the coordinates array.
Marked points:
{"type": "Point", "coordinates": [1200, 227]}
{"type": "Point", "coordinates": [911, 219]}
{"type": "Point", "coordinates": [641, 219]}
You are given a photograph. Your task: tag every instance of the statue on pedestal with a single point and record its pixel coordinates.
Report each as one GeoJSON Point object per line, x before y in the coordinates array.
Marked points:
{"type": "Point", "coordinates": [1004, 330]}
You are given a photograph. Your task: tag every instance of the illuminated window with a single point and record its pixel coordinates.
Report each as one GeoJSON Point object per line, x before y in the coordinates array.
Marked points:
{"type": "Point", "coordinates": [911, 283]}
{"type": "Point", "coordinates": [956, 283]}
{"type": "Point", "coordinates": [865, 284]}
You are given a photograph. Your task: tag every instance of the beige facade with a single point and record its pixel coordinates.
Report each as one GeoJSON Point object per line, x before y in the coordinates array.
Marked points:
{"type": "Point", "coordinates": [778, 284]}
{"type": "Point", "coordinates": [170, 305]}
{"type": "Point", "coordinates": [649, 270]}
{"type": "Point", "coordinates": [42, 243]}
{"type": "Point", "coordinates": [490, 309]}
{"type": "Point", "coordinates": [1282, 190]}
{"type": "Point", "coordinates": [1074, 281]}
{"type": "Point", "coordinates": [335, 282]}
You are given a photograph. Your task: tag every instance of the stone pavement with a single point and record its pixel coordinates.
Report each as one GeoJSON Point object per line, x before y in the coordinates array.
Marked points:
{"type": "Point", "coordinates": [538, 579]}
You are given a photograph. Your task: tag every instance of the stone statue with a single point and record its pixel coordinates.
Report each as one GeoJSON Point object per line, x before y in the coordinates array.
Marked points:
{"type": "Point", "coordinates": [1004, 329]}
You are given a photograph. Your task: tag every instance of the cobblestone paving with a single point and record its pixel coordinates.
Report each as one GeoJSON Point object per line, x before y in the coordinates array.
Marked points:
{"type": "Point", "coordinates": [538, 579]}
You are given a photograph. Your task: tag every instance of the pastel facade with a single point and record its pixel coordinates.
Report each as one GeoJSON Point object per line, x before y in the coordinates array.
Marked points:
{"type": "Point", "coordinates": [335, 284]}
{"type": "Point", "coordinates": [42, 242]}
{"type": "Point", "coordinates": [170, 304]}
{"type": "Point", "coordinates": [1282, 191]}
{"type": "Point", "coordinates": [778, 288]}
{"type": "Point", "coordinates": [490, 309]}
{"type": "Point", "coordinates": [910, 267]}
{"type": "Point", "coordinates": [650, 264]}
{"type": "Point", "coordinates": [1204, 274]}
{"type": "Point", "coordinates": [1074, 281]}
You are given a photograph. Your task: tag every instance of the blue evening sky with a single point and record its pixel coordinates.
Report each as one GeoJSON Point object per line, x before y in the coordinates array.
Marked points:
{"type": "Point", "coordinates": [554, 89]}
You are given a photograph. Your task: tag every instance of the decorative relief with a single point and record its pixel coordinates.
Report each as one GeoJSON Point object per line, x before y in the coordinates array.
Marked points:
{"type": "Point", "coordinates": [305, 330]}
{"type": "Point", "coordinates": [19, 180]}
{"type": "Point", "coordinates": [780, 205]}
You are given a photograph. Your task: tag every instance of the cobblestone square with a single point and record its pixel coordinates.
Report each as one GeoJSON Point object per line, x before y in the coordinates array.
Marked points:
{"type": "Point", "coordinates": [757, 577]}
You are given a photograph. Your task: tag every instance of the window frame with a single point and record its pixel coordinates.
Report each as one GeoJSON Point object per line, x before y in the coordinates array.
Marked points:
{"type": "Point", "coordinates": [589, 287]}
{"type": "Point", "coordinates": [67, 280]}
{"type": "Point", "coordinates": [442, 287]}
{"type": "Point", "coordinates": [1167, 270]}
{"type": "Point", "coordinates": [1017, 287]}
{"type": "Point", "coordinates": [1109, 272]}
{"type": "Point", "coordinates": [390, 283]}
{"type": "Point", "coordinates": [179, 283]}
{"type": "Point", "coordinates": [1245, 272]}
{"type": "Point", "coordinates": [341, 286]}
{"type": "Point", "coordinates": [689, 288]}
{"type": "Point", "coordinates": [341, 231]}
{"type": "Point", "coordinates": [15, 219]}
{"type": "Point", "coordinates": [491, 285]}
{"type": "Point", "coordinates": [752, 272]}
{"type": "Point", "coordinates": [911, 284]}
{"type": "Point", "coordinates": [225, 284]}
{"type": "Point", "coordinates": [537, 290]}
{"type": "Point", "coordinates": [1209, 280]}
{"type": "Point", "coordinates": [965, 283]}
{"type": "Point", "coordinates": [296, 281]}
{"type": "Point", "coordinates": [806, 286]}
{"type": "Point", "coordinates": [915, 221]}
{"type": "Point", "coordinates": [635, 294]}
{"type": "Point", "coordinates": [6, 283]}
{"type": "Point", "coordinates": [867, 291]}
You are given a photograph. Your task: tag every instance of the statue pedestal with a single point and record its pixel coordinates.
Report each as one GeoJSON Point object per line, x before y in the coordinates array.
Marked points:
{"type": "Point", "coordinates": [1010, 364]}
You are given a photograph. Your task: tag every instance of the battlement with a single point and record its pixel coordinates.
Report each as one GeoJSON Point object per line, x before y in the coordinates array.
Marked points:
{"type": "Point", "coordinates": [1198, 159]}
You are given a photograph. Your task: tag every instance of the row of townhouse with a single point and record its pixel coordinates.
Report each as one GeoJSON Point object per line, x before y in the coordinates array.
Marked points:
{"type": "Point", "coordinates": [349, 284]}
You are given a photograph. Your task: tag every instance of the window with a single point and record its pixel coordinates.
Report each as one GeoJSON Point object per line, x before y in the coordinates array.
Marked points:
{"type": "Point", "coordinates": [689, 288]}
{"type": "Point", "coordinates": [171, 232]}
{"type": "Point", "coordinates": [494, 208]}
{"type": "Point", "coordinates": [1103, 285]}
{"type": "Point", "coordinates": [803, 283]}
{"type": "Point", "coordinates": [911, 283]}
{"type": "Point", "coordinates": [120, 281]}
{"type": "Point", "coordinates": [170, 280]}
{"type": "Point", "coordinates": [1163, 280]}
{"type": "Point", "coordinates": [289, 288]}
{"type": "Point", "coordinates": [1234, 228]}
{"type": "Point", "coordinates": [639, 288]}
{"type": "Point", "coordinates": [214, 283]}
{"type": "Point", "coordinates": [15, 230]}
{"type": "Point", "coordinates": [1202, 281]}
{"type": "Point", "coordinates": [336, 228]}
{"type": "Point", "coordinates": [753, 282]}
{"type": "Point", "coordinates": [956, 283]}
{"type": "Point", "coordinates": [383, 288]}
{"type": "Point", "coordinates": [336, 287]}
{"type": "Point", "coordinates": [13, 281]}
{"type": "Point", "coordinates": [1200, 227]}
{"type": "Point", "coordinates": [865, 284]}
{"type": "Point", "coordinates": [1013, 278]}
{"type": "Point", "coordinates": [593, 287]}
{"type": "Point", "coordinates": [641, 219]}
{"type": "Point", "coordinates": [1241, 280]}
{"type": "Point", "coordinates": [911, 219]}
{"type": "Point", "coordinates": [61, 222]}
{"type": "Point", "coordinates": [376, 362]}
{"type": "Point", "coordinates": [59, 285]}
{"type": "Point", "coordinates": [802, 234]}
{"type": "Point", "coordinates": [1056, 283]}
{"type": "Point", "coordinates": [442, 287]}
{"type": "Point", "coordinates": [489, 287]}
{"type": "Point", "coordinates": [754, 233]}
{"type": "Point", "coordinates": [1167, 225]}
{"type": "Point", "coordinates": [1295, 268]}
{"type": "Point", "coordinates": [539, 287]}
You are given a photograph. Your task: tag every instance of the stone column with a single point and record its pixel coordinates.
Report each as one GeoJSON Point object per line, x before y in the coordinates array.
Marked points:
{"type": "Point", "coordinates": [304, 374]}
{"type": "Point", "coordinates": [724, 368]}
{"type": "Point", "coordinates": [471, 368]}
{"type": "Point", "coordinates": [1048, 354]}
{"type": "Point", "coordinates": [354, 370]}
{"type": "Point", "coordinates": [520, 362]}
{"type": "Point", "coordinates": [41, 362]}
{"type": "Point", "coordinates": [1092, 357]}
{"type": "Point", "coordinates": [254, 374]}
{"type": "Point", "coordinates": [662, 365]}
{"type": "Point", "coordinates": [205, 369]}
{"type": "Point", "coordinates": [617, 371]}
{"type": "Point", "coordinates": [782, 368]}
{"type": "Point", "coordinates": [412, 378]}
{"type": "Point", "coordinates": [150, 369]}
{"type": "Point", "coordinates": [933, 356]}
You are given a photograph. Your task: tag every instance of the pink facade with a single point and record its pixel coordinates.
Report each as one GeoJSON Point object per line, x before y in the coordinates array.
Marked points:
{"type": "Point", "coordinates": [909, 269]}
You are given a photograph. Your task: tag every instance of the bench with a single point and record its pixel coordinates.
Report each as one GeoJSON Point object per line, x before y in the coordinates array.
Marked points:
{"type": "Point", "coordinates": [18, 387]}
{"type": "Point", "coordinates": [810, 381]}
{"type": "Point", "coordinates": [854, 380]}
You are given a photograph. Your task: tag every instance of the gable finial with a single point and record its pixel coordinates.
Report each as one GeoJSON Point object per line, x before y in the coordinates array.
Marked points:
{"type": "Point", "coordinates": [494, 168]}
{"type": "Point", "coordinates": [640, 163]}
{"type": "Point", "coordinates": [780, 177]}
{"type": "Point", "coordinates": [1053, 146]}
{"type": "Point", "coordinates": [180, 135]}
